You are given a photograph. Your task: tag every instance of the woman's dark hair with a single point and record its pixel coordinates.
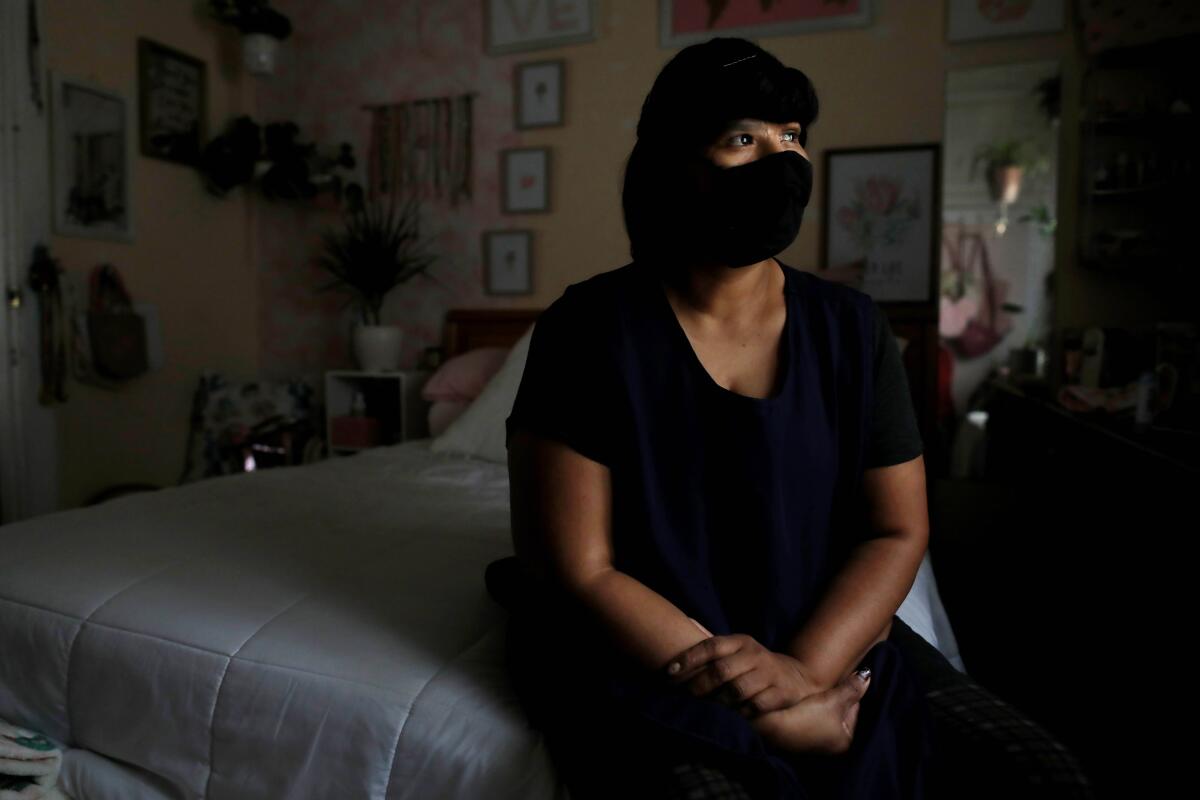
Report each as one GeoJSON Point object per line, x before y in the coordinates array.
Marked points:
{"type": "Point", "coordinates": [695, 96]}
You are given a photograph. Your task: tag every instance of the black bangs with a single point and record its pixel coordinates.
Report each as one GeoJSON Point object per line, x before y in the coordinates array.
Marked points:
{"type": "Point", "coordinates": [708, 85]}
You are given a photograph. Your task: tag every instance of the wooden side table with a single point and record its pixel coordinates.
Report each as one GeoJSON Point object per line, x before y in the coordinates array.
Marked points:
{"type": "Point", "coordinates": [391, 399]}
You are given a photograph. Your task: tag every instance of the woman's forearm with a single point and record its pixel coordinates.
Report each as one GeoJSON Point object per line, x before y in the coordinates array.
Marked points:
{"type": "Point", "coordinates": [643, 623]}
{"type": "Point", "coordinates": [858, 606]}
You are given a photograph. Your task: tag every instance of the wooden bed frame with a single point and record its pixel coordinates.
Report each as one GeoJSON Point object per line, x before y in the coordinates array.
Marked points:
{"type": "Point", "coordinates": [467, 329]}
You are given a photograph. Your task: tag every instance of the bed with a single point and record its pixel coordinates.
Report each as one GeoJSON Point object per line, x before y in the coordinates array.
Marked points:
{"type": "Point", "coordinates": [312, 631]}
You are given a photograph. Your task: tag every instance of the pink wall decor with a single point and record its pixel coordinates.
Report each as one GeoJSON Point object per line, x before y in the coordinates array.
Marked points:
{"type": "Point", "coordinates": [684, 22]}
{"type": "Point", "coordinates": [344, 59]}
{"type": "Point", "coordinates": [422, 147]}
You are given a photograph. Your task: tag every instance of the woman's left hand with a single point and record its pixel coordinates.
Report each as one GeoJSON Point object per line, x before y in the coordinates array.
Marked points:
{"type": "Point", "coordinates": [740, 672]}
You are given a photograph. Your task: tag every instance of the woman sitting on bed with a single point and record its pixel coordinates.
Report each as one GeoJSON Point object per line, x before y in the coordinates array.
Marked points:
{"type": "Point", "coordinates": [718, 518]}
{"type": "Point", "coordinates": [718, 494]}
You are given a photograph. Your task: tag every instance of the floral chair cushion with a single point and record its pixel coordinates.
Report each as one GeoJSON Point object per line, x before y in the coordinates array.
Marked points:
{"type": "Point", "coordinates": [225, 414]}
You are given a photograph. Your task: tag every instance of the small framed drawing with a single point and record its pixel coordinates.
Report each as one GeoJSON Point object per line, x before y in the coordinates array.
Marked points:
{"type": "Point", "coordinates": [538, 88]}
{"type": "Point", "coordinates": [684, 22]}
{"type": "Point", "coordinates": [525, 180]}
{"type": "Point", "coordinates": [92, 153]}
{"type": "Point", "coordinates": [171, 102]}
{"type": "Point", "coordinates": [510, 27]}
{"type": "Point", "coordinates": [507, 262]}
{"type": "Point", "coordinates": [882, 207]}
{"type": "Point", "coordinates": [969, 20]}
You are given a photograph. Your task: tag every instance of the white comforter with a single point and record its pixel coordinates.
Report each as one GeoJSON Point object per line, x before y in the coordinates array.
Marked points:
{"type": "Point", "coordinates": [311, 632]}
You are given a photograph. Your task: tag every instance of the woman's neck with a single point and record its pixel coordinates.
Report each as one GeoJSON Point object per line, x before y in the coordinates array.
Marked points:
{"type": "Point", "coordinates": [726, 293]}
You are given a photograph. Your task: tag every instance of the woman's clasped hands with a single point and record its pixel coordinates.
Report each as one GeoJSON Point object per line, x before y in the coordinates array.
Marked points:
{"type": "Point", "coordinates": [772, 690]}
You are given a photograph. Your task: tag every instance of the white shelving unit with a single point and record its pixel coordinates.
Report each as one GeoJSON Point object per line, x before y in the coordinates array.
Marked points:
{"type": "Point", "coordinates": [394, 398]}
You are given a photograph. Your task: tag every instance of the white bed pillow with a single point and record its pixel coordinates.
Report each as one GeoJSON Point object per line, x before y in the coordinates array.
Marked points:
{"type": "Point", "coordinates": [479, 431]}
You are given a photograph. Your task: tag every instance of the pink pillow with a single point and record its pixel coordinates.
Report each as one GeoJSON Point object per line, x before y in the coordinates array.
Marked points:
{"type": "Point", "coordinates": [442, 413]}
{"type": "Point", "coordinates": [463, 377]}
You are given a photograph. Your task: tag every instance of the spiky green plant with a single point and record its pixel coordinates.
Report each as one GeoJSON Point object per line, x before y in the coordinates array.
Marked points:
{"type": "Point", "coordinates": [377, 248]}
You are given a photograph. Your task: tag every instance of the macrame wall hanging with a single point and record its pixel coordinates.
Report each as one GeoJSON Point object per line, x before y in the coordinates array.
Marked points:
{"type": "Point", "coordinates": [422, 147]}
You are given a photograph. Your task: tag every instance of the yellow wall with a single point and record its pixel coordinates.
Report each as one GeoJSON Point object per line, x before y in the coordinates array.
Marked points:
{"type": "Point", "coordinates": [191, 255]}
{"type": "Point", "coordinates": [194, 255]}
{"type": "Point", "coordinates": [879, 85]}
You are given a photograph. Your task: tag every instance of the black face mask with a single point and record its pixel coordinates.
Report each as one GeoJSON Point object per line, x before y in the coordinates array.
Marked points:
{"type": "Point", "coordinates": [752, 211]}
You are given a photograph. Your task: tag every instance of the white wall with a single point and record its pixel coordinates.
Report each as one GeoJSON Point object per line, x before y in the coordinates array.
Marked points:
{"type": "Point", "coordinates": [28, 435]}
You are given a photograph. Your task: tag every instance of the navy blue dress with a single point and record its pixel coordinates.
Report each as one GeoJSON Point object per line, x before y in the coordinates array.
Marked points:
{"type": "Point", "coordinates": [739, 510]}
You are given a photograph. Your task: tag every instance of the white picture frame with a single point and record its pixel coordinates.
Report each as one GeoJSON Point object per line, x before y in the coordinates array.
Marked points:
{"type": "Point", "coordinates": [513, 26]}
{"type": "Point", "coordinates": [538, 94]}
{"type": "Point", "coordinates": [91, 160]}
{"type": "Point", "coordinates": [966, 21]}
{"type": "Point", "coordinates": [525, 180]}
{"type": "Point", "coordinates": [508, 262]}
{"type": "Point", "coordinates": [679, 20]}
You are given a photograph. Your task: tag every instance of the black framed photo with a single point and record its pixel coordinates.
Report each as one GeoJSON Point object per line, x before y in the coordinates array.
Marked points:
{"type": "Point", "coordinates": [172, 103]}
{"type": "Point", "coordinates": [883, 207]}
{"type": "Point", "coordinates": [508, 262]}
{"type": "Point", "coordinates": [538, 90]}
{"type": "Point", "coordinates": [525, 180]}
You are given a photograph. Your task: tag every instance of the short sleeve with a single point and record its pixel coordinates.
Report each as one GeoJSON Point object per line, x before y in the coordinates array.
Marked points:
{"type": "Point", "coordinates": [895, 435]}
{"type": "Point", "coordinates": [565, 389]}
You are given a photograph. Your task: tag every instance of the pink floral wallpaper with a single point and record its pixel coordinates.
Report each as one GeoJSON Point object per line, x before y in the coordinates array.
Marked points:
{"type": "Point", "coordinates": [339, 57]}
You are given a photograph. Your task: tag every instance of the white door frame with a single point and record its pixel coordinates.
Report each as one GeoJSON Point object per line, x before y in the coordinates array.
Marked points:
{"type": "Point", "coordinates": [28, 440]}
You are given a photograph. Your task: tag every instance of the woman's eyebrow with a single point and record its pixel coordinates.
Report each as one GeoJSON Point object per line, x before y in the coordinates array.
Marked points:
{"type": "Point", "coordinates": [756, 124]}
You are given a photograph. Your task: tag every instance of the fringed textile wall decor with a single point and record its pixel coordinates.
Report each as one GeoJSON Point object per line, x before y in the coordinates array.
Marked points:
{"type": "Point", "coordinates": [423, 147]}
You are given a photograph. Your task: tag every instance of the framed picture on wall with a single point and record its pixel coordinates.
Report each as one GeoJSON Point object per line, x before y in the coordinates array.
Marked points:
{"type": "Point", "coordinates": [970, 20]}
{"type": "Point", "coordinates": [684, 22]}
{"type": "Point", "coordinates": [92, 152]}
{"type": "Point", "coordinates": [507, 262]}
{"type": "Point", "coordinates": [882, 207]}
{"type": "Point", "coordinates": [171, 95]}
{"type": "Point", "coordinates": [525, 179]}
{"type": "Point", "coordinates": [538, 89]}
{"type": "Point", "coordinates": [510, 27]}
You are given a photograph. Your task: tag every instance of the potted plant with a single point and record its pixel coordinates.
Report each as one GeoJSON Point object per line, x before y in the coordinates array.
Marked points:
{"type": "Point", "coordinates": [262, 28]}
{"type": "Point", "coordinates": [1007, 162]}
{"type": "Point", "coordinates": [376, 249]}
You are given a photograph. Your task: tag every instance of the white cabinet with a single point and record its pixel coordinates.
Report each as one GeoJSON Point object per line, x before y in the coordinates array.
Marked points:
{"type": "Point", "coordinates": [390, 410]}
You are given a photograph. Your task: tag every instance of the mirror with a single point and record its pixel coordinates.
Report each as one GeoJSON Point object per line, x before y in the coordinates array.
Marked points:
{"type": "Point", "coordinates": [999, 190]}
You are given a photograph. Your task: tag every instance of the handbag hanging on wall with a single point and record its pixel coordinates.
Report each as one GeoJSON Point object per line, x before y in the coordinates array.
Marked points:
{"type": "Point", "coordinates": [116, 333]}
{"type": "Point", "coordinates": [983, 329]}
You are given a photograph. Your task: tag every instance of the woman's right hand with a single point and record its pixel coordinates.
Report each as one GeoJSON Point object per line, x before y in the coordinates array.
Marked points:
{"type": "Point", "coordinates": [822, 723]}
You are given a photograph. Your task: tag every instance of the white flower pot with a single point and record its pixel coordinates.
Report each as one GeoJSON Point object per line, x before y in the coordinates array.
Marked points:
{"type": "Point", "coordinates": [377, 347]}
{"type": "Point", "coordinates": [258, 53]}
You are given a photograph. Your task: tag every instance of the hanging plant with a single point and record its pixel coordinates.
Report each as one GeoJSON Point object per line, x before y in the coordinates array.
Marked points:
{"type": "Point", "coordinates": [283, 167]}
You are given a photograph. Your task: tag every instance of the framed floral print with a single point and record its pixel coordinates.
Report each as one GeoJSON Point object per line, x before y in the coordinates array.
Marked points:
{"type": "Point", "coordinates": [882, 207]}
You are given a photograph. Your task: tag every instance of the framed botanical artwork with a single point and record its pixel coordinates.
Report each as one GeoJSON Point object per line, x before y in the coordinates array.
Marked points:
{"type": "Point", "coordinates": [91, 157]}
{"type": "Point", "coordinates": [513, 26]}
{"type": "Point", "coordinates": [882, 207]}
{"type": "Point", "coordinates": [538, 89]}
{"type": "Point", "coordinates": [969, 20]}
{"type": "Point", "coordinates": [508, 262]}
{"type": "Point", "coordinates": [684, 22]}
{"type": "Point", "coordinates": [525, 179]}
{"type": "Point", "coordinates": [172, 104]}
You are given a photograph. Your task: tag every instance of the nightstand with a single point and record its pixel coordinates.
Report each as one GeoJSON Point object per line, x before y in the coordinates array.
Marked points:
{"type": "Point", "coordinates": [392, 409]}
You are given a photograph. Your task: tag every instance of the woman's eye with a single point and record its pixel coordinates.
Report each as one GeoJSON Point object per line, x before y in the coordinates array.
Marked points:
{"type": "Point", "coordinates": [737, 138]}
{"type": "Point", "coordinates": [795, 135]}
